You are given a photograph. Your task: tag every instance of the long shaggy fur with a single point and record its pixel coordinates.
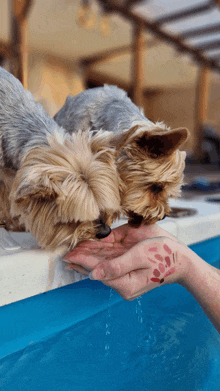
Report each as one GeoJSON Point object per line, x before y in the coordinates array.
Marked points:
{"type": "Point", "coordinates": [62, 187]}
{"type": "Point", "coordinates": [6, 180]}
{"type": "Point", "coordinates": [148, 161]}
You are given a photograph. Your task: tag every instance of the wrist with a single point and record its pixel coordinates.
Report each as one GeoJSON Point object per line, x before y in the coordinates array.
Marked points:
{"type": "Point", "coordinates": [188, 262]}
{"type": "Point", "coordinates": [195, 267]}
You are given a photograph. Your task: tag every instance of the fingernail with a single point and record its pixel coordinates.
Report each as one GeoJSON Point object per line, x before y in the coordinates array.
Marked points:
{"type": "Point", "coordinates": [91, 276]}
{"type": "Point", "coordinates": [98, 274]}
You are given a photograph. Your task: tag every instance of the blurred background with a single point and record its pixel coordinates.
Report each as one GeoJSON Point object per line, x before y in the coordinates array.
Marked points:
{"type": "Point", "coordinates": [164, 53]}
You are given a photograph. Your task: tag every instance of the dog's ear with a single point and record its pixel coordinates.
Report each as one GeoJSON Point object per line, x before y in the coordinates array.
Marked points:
{"type": "Point", "coordinates": [35, 186]}
{"type": "Point", "coordinates": [120, 140]}
{"type": "Point", "coordinates": [159, 144]}
{"type": "Point", "coordinates": [28, 190]}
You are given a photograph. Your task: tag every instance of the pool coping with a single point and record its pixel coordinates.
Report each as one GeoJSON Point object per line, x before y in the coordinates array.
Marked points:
{"type": "Point", "coordinates": [30, 271]}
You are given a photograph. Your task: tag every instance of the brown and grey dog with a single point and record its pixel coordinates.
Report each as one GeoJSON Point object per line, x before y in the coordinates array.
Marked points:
{"type": "Point", "coordinates": [62, 188]}
{"type": "Point", "coordinates": [149, 162]}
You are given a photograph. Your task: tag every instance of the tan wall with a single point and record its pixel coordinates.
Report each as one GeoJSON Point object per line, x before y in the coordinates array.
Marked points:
{"type": "Point", "coordinates": [214, 104]}
{"type": "Point", "coordinates": [51, 80]}
{"type": "Point", "coordinates": [177, 109]}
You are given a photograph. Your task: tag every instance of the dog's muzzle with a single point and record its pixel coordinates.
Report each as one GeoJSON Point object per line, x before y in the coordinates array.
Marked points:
{"type": "Point", "coordinates": [103, 230]}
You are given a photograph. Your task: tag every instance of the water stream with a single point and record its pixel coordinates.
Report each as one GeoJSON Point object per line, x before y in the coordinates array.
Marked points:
{"type": "Point", "coordinates": [139, 311]}
{"type": "Point", "coordinates": [107, 325]}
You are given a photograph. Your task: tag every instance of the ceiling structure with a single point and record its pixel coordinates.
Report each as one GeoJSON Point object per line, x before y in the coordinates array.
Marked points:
{"type": "Point", "coordinates": [53, 28]}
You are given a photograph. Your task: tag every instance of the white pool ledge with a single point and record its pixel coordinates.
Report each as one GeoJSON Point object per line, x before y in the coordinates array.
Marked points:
{"type": "Point", "coordinates": [29, 271]}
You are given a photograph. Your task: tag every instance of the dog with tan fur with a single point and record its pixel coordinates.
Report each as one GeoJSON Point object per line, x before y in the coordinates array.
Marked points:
{"type": "Point", "coordinates": [61, 187]}
{"type": "Point", "coordinates": [148, 159]}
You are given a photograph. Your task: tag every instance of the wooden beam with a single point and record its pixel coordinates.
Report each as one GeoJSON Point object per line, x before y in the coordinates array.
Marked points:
{"type": "Point", "coordinates": [201, 108]}
{"type": "Point", "coordinates": [138, 65]}
{"type": "Point", "coordinates": [186, 13]}
{"type": "Point", "coordinates": [215, 57]}
{"type": "Point", "coordinates": [214, 44]}
{"type": "Point", "coordinates": [5, 49]}
{"type": "Point", "coordinates": [105, 55]}
{"type": "Point", "coordinates": [129, 3]}
{"type": "Point", "coordinates": [19, 65]}
{"type": "Point", "coordinates": [178, 43]}
{"type": "Point", "coordinates": [115, 52]}
{"type": "Point", "coordinates": [198, 31]}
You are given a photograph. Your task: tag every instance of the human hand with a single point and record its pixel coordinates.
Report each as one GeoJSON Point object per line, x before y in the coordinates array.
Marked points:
{"type": "Point", "coordinates": [144, 267]}
{"type": "Point", "coordinates": [88, 254]}
{"type": "Point", "coordinates": [129, 263]}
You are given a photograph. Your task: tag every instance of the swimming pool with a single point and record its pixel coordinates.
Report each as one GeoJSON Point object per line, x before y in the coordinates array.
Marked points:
{"type": "Point", "coordinates": [84, 337]}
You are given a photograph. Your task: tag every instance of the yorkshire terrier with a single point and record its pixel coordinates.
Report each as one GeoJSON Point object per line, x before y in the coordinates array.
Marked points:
{"type": "Point", "coordinates": [62, 188]}
{"type": "Point", "coordinates": [148, 160]}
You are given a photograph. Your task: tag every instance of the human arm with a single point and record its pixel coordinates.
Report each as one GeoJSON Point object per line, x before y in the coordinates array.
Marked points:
{"type": "Point", "coordinates": [203, 282]}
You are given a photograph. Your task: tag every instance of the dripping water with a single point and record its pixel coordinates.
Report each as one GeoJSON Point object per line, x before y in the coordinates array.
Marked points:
{"type": "Point", "coordinates": [139, 311]}
{"type": "Point", "coordinates": [107, 325]}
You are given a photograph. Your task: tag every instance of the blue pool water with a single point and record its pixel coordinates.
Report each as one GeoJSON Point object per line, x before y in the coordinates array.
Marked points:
{"type": "Point", "coordinates": [84, 337]}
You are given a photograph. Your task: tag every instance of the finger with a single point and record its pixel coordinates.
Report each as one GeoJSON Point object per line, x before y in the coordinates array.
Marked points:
{"type": "Point", "coordinates": [89, 262]}
{"type": "Point", "coordinates": [117, 267]}
{"type": "Point", "coordinates": [105, 252]}
{"type": "Point", "coordinates": [132, 285]}
{"type": "Point", "coordinates": [122, 285]}
{"type": "Point", "coordinates": [78, 269]}
{"type": "Point", "coordinates": [88, 244]}
{"type": "Point", "coordinates": [81, 252]}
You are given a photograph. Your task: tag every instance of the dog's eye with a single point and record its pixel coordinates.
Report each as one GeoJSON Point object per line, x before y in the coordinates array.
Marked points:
{"type": "Point", "coordinates": [156, 188]}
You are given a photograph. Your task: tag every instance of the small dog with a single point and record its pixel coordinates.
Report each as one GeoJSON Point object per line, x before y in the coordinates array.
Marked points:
{"type": "Point", "coordinates": [148, 160]}
{"type": "Point", "coordinates": [62, 188]}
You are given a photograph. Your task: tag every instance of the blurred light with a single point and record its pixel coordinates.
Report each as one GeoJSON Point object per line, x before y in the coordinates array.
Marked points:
{"type": "Point", "coordinates": [86, 17]}
{"type": "Point", "coordinates": [105, 25]}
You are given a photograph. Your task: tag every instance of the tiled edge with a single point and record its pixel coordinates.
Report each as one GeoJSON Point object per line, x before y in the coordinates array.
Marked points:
{"type": "Point", "coordinates": [196, 229]}
{"type": "Point", "coordinates": [168, 226]}
{"type": "Point", "coordinates": [32, 271]}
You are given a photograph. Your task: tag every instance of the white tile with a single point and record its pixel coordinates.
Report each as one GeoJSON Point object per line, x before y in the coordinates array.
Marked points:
{"type": "Point", "coordinates": [169, 226]}
{"type": "Point", "coordinates": [197, 229]}
{"type": "Point", "coordinates": [28, 271]}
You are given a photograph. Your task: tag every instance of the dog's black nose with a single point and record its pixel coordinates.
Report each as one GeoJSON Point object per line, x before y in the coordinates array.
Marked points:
{"type": "Point", "coordinates": [103, 230]}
